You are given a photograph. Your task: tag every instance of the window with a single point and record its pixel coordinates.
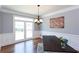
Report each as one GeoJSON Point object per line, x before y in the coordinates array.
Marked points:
{"type": "Point", "coordinates": [23, 28]}
{"type": "Point", "coordinates": [19, 30]}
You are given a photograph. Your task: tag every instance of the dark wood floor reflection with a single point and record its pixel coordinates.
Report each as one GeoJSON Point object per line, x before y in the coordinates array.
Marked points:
{"type": "Point", "coordinates": [23, 47]}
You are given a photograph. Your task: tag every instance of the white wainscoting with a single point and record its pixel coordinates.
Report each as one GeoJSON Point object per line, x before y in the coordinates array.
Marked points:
{"type": "Point", "coordinates": [73, 40]}
{"type": "Point", "coordinates": [36, 34]}
{"type": "Point", "coordinates": [9, 38]}
{"type": "Point", "coordinates": [0, 41]}
{"type": "Point", "coordinates": [6, 39]}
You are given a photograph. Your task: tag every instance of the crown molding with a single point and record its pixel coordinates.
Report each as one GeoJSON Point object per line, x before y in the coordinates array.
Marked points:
{"type": "Point", "coordinates": [6, 10]}
{"type": "Point", "coordinates": [61, 11]}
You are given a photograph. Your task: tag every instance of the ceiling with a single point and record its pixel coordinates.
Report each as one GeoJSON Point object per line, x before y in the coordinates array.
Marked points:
{"type": "Point", "coordinates": [33, 9]}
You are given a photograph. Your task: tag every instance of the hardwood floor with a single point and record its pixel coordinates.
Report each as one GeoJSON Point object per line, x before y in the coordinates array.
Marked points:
{"type": "Point", "coordinates": [31, 47]}
{"type": "Point", "coordinates": [23, 47]}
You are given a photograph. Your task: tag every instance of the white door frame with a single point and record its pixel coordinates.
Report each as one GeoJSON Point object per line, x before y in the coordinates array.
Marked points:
{"type": "Point", "coordinates": [24, 29]}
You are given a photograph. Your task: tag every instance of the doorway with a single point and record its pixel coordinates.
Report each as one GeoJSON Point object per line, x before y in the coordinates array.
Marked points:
{"type": "Point", "coordinates": [23, 29]}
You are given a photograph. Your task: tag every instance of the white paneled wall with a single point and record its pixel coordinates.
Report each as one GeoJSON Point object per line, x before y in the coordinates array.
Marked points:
{"type": "Point", "coordinates": [37, 34]}
{"type": "Point", "coordinates": [73, 40]}
{"type": "Point", "coordinates": [7, 38]}
{"type": "Point", "coordinates": [0, 41]}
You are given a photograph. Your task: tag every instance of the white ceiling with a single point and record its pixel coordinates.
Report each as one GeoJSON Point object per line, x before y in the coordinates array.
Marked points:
{"type": "Point", "coordinates": [32, 9]}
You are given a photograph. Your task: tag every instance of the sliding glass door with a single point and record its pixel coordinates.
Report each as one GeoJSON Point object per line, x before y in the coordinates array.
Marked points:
{"type": "Point", "coordinates": [29, 30]}
{"type": "Point", "coordinates": [19, 30]}
{"type": "Point", "coordinates": [23, 29]}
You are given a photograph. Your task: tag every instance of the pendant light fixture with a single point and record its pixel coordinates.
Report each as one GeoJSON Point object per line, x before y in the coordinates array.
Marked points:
{"type": "Point", "coordinates": [38, 20]}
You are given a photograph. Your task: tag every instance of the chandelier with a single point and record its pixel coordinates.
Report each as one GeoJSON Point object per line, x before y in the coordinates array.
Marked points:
{"type": "Point", "coordinates": [38, 20]}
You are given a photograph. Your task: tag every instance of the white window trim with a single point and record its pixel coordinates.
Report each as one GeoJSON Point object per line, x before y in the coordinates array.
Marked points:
{"type": "Point", "coordinates": [24, 25]}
